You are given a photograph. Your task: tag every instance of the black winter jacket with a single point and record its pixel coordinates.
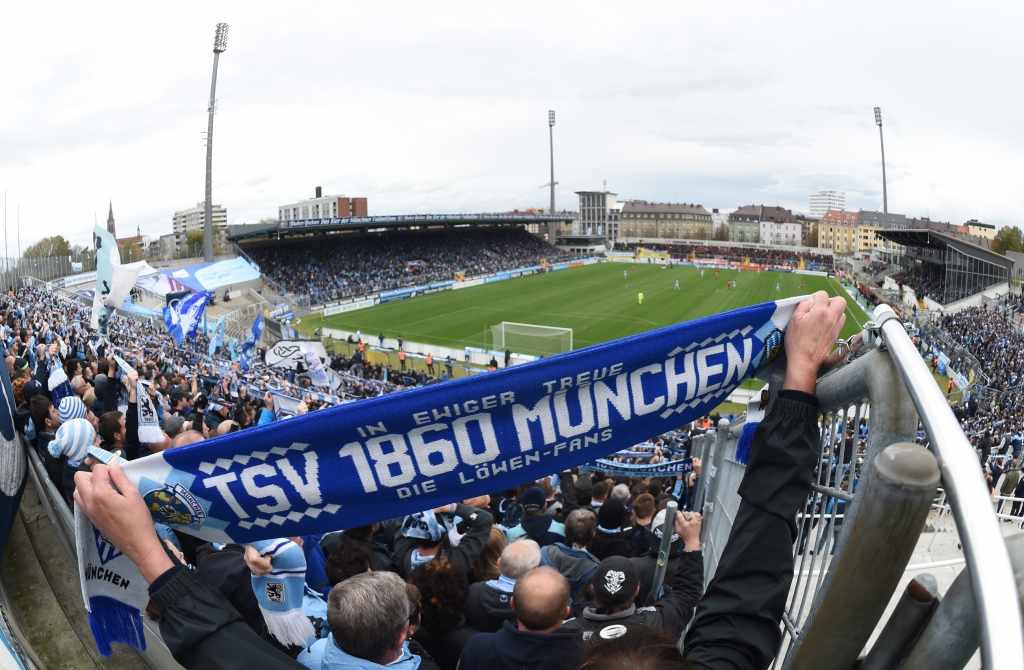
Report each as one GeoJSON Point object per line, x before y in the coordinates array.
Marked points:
{"type": "Point", "coordinates": [513, 649]}
{"type": "Point", "coordinates": [736, 626]}
{"type": "Point", "coordinates": [487, 608]}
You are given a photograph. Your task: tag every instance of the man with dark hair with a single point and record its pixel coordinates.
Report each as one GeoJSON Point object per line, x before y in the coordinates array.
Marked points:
{"type": "Point", "coordinates": [538, 640]}
{"type": "Point", "coordinates": [599, 495]}
{"type": "Point", "coordinates": [572, 559]}
{"type": "Point", "coordinates": [610, 539]}
{"type": "Point", "coordinates": [45, 417]}
{"type": "Point", "coordinates": [617, 584]}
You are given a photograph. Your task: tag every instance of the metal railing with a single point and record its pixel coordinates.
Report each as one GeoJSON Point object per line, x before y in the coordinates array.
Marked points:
{"type": "Point", "coordinates": [889, 385]}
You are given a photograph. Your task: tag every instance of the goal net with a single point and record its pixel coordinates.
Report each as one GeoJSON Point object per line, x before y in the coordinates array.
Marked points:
{"type": "Point", "coordinates": [527, 338]}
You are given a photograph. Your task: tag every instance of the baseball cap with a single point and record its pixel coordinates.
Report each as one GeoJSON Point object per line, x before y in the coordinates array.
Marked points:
{"type": "Point", "coordinates": [658, 523]}
{"type": "Point", "coordinates": [173, 424]}
{"type": "Point", "coordinates": [31, 389]}
{"type": "Point", "coordinates": [534, 497]}
{"type": "Point", "coordinates": [615, 581]}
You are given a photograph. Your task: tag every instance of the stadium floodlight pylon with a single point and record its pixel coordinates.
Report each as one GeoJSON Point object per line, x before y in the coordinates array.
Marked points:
{"type": "Point", "coordinates": [531, 339]}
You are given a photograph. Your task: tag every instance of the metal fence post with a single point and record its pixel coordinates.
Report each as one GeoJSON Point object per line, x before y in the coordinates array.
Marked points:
{"type": "Point", "coordinates": [895, 505]}
{"type": "Point", "coordinates": [912, 612]}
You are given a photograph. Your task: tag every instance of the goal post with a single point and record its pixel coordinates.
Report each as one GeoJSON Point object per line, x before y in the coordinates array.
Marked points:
{"type": "Point", "coordinates": [531, 339]}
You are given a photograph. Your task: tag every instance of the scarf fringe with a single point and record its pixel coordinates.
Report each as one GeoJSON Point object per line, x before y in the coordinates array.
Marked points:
{"type": "Point", "coordinates": [745, 442]}
{"type": "Point", "coordinates": [113, 621]}
{"type": "Point", "coordinates": [57, 377]}
{"type": "Point", "coordinates": [291, 628]}
{"type": "Point", "coordinates": [150, 434]}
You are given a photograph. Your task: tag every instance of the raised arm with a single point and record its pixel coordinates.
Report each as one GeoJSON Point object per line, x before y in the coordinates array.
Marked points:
{"type": "Point", "coordinates": [737, 621]}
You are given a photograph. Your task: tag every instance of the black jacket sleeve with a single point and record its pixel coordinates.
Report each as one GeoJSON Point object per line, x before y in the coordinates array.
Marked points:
{"type": "Point", "coordinates": [478, 531]}
{"type": "Point", "coordinates": [569, 502]}
{"type": "Point", "coordinates": [676, 606]}
{"type": "Point", "coordinates": [131, 432]}
{"type": "Point", "coordinates": [110, 391]}
{"type": "Point", "coordinates": [202, 630]}
{"type": "Point", "coordinates": [737, 622]}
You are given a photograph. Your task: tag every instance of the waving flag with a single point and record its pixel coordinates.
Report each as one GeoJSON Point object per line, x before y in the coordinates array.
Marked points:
{"type": "Point", "coordinates": [249, 348]}
{"type": "Point", "coordinates": [217, 338]}
{"type": "Point", "coordinates": [402, 453]}
{"type": "Point", "coordinates": [182, 316]}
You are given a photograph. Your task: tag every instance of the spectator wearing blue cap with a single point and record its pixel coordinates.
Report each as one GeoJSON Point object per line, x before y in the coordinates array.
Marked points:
{"type": "Point", "coordinates": [536, 524]}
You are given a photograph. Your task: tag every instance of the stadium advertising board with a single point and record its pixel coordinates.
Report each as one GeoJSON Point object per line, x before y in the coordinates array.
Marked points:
{"type": "Point", "coordinates": [468, 283]}
{"type": "Point", "coordinates": [559, 266]}
{"type": "Point", "coordinates": [501, 276]}
{"type": "Point", "coordinates": [76, 279]}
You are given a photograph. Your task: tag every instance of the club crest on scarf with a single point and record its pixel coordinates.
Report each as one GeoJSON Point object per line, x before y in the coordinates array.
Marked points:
{"type": "Point", "coordinates": [105, 549]}
{"type": "Point", "coordinates": [175, 504]}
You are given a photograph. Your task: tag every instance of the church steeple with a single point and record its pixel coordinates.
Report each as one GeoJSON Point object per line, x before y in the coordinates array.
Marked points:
{"type": "Point", "coordinates": [110, 221]}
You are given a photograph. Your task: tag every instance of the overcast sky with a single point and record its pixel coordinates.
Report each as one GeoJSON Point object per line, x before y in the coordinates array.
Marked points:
{"type": "Point", "coordinates": [442, 107]}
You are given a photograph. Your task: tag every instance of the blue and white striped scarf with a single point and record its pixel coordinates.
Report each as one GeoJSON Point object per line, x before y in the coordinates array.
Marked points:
{"type": "Point", "coordinates": [401, 453]}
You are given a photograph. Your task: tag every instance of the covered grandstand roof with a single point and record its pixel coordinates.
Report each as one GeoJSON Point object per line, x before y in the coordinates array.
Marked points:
{"type": "Point", "coordinates": [399, 221]}
{"type": "Point", "coordinates": [930, 239]}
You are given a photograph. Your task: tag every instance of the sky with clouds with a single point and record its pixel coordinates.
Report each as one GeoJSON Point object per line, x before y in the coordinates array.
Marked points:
{"type": "Point", "coordinates": [442, 107]}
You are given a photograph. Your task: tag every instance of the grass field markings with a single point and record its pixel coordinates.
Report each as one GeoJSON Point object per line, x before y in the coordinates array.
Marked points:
{"type": "Point", "coordinates": [841, 291]}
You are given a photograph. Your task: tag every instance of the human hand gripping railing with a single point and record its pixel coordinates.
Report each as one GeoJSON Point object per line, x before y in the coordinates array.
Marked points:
{"type": "Point", "coordinates": [991, 573]}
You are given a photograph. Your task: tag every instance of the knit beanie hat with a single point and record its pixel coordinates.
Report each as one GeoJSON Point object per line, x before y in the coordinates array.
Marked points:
{"type": "Point", "coordinates": [611, 516]}
{"type": "Point", "coordinates": [73, 439]}
{"type": "Point", "coordinates": [70, 408]}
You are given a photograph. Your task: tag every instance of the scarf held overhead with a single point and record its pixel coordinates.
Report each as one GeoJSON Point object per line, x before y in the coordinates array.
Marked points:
{"type": "Point", "coordinates": [385, 457]}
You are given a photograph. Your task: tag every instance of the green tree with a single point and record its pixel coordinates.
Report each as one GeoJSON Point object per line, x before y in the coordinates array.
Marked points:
{"type": "Point", "coordinates": [49, 246]}
{"type": "Point", "coordinates": [194, 238]}
{"type": "Point", "coordinates": [1009, 238]}
{"type": "Point", "coordinates": [722, 233]}
{"type": "Point", "coordinates": [812, 236]}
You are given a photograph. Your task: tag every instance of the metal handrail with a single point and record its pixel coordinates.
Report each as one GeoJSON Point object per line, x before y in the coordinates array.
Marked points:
{"type": "Point", "coordinates": [1002, 638]}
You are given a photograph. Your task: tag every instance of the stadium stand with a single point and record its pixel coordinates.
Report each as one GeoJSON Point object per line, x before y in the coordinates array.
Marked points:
{"type": "Point", "coordinates": [330, 267]}
{"type": "Point", "coordinates": [757, 255]}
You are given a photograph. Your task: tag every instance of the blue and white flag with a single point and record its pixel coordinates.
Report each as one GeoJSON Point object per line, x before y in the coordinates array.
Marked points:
{"type": "Point", "coordinates": [182, 316]}
{"type": "Point", "coordinates": [249, 348]}
{"type": "Point", "coordinates": [217, 338]}
{"type": "Point", "coordinates": [401, 453]}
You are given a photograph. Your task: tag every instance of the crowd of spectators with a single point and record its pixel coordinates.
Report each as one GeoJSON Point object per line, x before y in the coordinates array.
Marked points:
{"type": "Point", "coordinates": [329, 267]}
{"type": "Point", "coordinates": [927, 280]}
{"type": "Point", "coordinates": [756, 255]}
{"type": "Point", "coordinates": [876, 268]}
{"type": "Point", "coordinates": [554, 573]}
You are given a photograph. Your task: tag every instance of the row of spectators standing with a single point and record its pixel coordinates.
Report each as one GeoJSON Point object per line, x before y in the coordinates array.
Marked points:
{"type": "Point", "coordinates": [757, 255]}
{"type": "Point", "coordinates": [330, 267]}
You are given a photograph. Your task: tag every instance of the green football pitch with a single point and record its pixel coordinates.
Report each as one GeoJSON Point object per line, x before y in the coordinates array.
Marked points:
{"type": "Point", "coordinates": [596, 301]}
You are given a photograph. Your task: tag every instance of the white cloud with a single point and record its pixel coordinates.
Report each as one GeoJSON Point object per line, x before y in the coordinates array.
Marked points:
{"type": "Point", "coordinates": [442, 107]}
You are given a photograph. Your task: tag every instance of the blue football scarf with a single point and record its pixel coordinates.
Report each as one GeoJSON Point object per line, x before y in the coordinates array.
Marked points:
{"type": "Point", "coordinates": [402, 453]}
{"type": "Point", "coordinates": [667, 469]}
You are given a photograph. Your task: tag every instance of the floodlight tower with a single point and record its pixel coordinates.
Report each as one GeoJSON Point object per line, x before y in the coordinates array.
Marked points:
{"type": "Point", "coordinates": [220, 44]}
{"type": "Point", "coordinates": [551, 139]}
{"type": "Point", "coordinates": [878, 122]}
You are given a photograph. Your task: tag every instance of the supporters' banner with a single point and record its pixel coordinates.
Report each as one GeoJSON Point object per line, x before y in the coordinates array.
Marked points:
{"type": "Point", "coordinates": [287, 354]}
{"type": "Point", "coordinates": [217, 338]}
{"type": "Point", "coordinates": [249, 348]}
{"type": "Point", "coordinates": [405, 452]}
{"type": "Point", "coordinates": [669, 469]}
{"type": "Point", "coordinates": [182, 317]}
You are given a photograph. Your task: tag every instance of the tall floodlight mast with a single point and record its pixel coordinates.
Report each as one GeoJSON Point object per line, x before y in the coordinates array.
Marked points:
{"type": "Point", "coordinates": [885, 196]}
{"type": "Point", "coordinates": [220, 44]}
{"type": "Point", "coordinates": [551, 139]}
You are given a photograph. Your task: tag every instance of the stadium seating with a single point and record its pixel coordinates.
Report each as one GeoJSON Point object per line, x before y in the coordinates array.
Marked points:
{"type": "Point", "coordinates": [338, 266]}
{"type": "Point", "coordinates": [757, 255]}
